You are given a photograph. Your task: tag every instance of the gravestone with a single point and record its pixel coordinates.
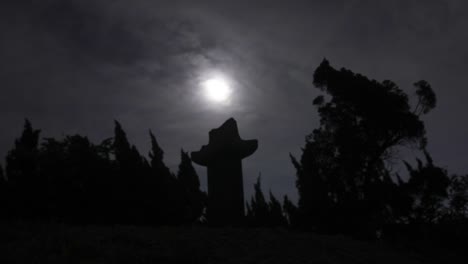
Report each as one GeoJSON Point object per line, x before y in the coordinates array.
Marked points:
{"type": "Point", "coordinates": [223, 158]}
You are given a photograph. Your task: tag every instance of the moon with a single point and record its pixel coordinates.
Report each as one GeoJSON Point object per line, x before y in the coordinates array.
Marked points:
{"type": "Point", "coordinates": [217, 89]}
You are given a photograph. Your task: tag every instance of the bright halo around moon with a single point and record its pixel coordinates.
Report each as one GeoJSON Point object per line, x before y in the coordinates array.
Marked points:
{"type": "Point", "coordinates": [217, 89]}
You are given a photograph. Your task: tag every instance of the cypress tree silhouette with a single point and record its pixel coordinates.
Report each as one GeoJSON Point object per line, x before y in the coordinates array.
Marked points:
{"type": "Point", "coordinates": [74, 173]}
{"type": "Point", "coordinates": [90, 172]}
{"type": "Point", "coordinates": [67, 169]}
{"type": "Point", "coordinates": [55, 175]}
{"type": "Point", "coordinates": [126, 156]}
{"type": "Point", "coordinates": [170, 192]}
{"type": "Point", "coordinates": [129, 178]}
{"type": "Point", "coordinates": [195, 198]}
{"type": "Point", "coordinates": [263, 213]}
{"type": "Point", "coordinates": [22, 173]}
{"type": "Point", "coordinates": [277, 216]}
{"type": "Point", "coordinates": [73, 180]}
{"type": "Point", "coordinates": [342, 179]}
{"type": "Point", "coordinates": [257, 210]}
{"type": "Point", "coordinates": [156, 157]}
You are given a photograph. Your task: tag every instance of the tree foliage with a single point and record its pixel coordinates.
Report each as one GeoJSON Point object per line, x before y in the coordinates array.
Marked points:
{"type": "Point", "coordinates": [22, 171]}
{"type": "Point", "coordinates": [290, 211]}
{"type": "Point", "coordinates": [261, 212]}
{"type": "Point", "coordinates": [74, 180]}
{"type": "Point", "coordinates": [195, 199]}
{"type": "Point", "coordinates": [427, 187]}
{"type": "Point", "coordinates": [343, 182]}
{"type": "Point", "coordinates": [458, 197]}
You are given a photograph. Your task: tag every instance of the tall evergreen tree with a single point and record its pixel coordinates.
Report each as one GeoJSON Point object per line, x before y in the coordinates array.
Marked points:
{"type": "Point", "coordinates": [276, 215]}
{"type": "Point", "coordinates": [76, 179]}
{"type": "Point", "coordinates": [263, 213]}
{"type": "Point", "coordinates": [130, 178]}
{"type": "Point", "coordinates": [188, 178]}
{"type": "Point", "coordinates": [169, 191]}
{"type": "Point", "coordinates": [126, 155]}
{"type": "Point", "coordinates": [22, 170]}
{"type": "Point", "coordinates": [86, 171]}
{"type": "Point", "coordinates": [342, 177]}
{"type": "Point", "coordinates": [54, 173]}
{"type": "Point", "coordinates": [259, 205]}
{"type": "Point", "coordinates": [157, 157]}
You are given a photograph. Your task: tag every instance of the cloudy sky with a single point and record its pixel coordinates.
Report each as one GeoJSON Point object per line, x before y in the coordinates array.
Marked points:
{"type": "Point", "coordinates": [74, 66]}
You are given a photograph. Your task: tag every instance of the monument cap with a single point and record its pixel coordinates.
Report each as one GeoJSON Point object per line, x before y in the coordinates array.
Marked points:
{"type": "Point", "coordinates": [223, 141]}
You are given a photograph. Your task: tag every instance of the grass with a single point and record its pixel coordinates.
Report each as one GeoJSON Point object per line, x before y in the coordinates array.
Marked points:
{"type": "Point", "coordinates": [59, 243]}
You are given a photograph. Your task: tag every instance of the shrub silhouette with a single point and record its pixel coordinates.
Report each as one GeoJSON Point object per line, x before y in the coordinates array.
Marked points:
{"type": "Point", "coordinates": [458, 198]}
{"type": "Point", "coordinates": [427, 187]}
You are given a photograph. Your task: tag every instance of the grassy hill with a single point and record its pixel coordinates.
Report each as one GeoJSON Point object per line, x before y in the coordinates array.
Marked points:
{"type": "Point", "coordinates": [59, 243]}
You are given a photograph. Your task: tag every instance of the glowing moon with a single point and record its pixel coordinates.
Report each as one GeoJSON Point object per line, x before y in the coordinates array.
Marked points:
{"type": "Point", "coordinates": [217, 89]}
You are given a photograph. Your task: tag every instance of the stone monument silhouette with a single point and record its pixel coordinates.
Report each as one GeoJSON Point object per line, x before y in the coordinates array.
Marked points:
{"type": "Point", "coordinates": [223, 158]}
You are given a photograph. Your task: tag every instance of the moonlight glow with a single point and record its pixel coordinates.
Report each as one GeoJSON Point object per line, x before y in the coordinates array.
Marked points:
{"type": "Point", "coordinates": [217, 89]}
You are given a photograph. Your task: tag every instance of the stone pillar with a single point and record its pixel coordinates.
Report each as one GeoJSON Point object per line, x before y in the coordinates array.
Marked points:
{"type": "Point", "coordinates": [223, 157]}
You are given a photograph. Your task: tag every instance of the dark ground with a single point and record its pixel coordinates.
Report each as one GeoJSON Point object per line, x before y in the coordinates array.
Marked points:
{"type": "Point", "coordinates": [59, 243]}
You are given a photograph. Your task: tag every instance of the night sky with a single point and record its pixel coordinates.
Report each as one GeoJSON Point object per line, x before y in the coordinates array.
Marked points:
{"type": "Point", "coordinates": [75, 66]}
